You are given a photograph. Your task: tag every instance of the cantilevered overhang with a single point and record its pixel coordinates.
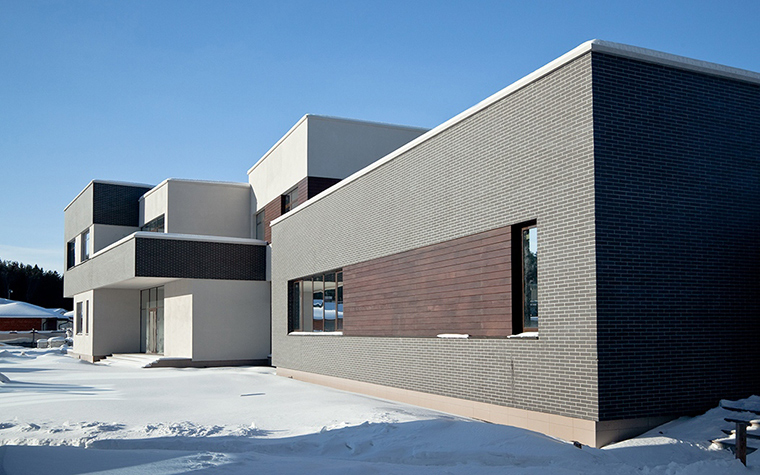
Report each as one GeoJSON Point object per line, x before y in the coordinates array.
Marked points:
{"type": "Point", "coordinates": [145, 259]}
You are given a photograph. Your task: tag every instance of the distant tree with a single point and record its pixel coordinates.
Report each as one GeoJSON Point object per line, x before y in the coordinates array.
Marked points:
{"type": "Point", "coordinates": [33, 285]}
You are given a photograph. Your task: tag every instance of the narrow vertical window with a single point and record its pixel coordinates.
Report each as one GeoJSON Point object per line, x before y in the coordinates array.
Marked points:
{"type": "Point", "coordinates": [339, 316]}
{"type": "Point", "coordinates": [260, 224]}
{"type": "Point", "coordinates": [289, 200]}
{"type": "Point", "coordinates": [70, 254]}
{"type": "Point", "coordinates": [530, 278]}
{"type": "Point", "coordinates": [294, 306]}
{"type": "Point", "coordinates": [318, 302]}
{"type": "Point", "coordinates": [78, 322]}
{"type": "Point", "coordinates": [85, 251]}
{"type": "Point", "coordinates": [86, 317]}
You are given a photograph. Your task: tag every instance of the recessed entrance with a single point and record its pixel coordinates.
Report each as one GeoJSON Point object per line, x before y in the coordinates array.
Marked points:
{"type": "Point", "coordinates": [152, 320]}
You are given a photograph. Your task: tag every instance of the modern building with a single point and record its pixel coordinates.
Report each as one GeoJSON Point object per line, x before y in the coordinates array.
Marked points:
{"type": "Point", "coordinates": [577, 254]}
{"type": "Point", "coordinates": [175, 270]}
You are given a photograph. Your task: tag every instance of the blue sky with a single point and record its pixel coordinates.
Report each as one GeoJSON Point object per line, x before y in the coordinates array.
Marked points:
{"type": "Point", "coordinates": [145, 90]}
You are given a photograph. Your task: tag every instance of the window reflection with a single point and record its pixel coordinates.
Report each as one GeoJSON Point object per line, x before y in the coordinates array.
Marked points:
{"type": "Point", "coordinates": [315, 303]}
{"type": "Point", "coordinates": [530, 278]}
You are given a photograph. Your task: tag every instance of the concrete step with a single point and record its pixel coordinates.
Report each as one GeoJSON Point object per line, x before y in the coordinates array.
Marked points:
{"type": "Point", "coordinates": [730, 444]}
{"type": "Point", "coordinates": [134, 360]}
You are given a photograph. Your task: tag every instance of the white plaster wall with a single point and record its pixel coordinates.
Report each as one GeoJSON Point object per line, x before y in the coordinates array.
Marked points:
{"type": "Point", "coordinates": [78, 214]}
{"type": "Point", "coordinates": [338, 147]}
{"type": "Point", "coordinates": [281, 168]}
{"type": "Point", "coordinates": [230, 320]}
{"type": "Point", "coordinates": [115, 321]}
{"type": "Point", "coordinates": [103, 235]}
{"type": "Point", "coordinates": [207, 208]}
{"type": "Point", "coordinates": [178, 319]}
{"type": "Point", "coordinates": [83, 342]}
{"type": "Point", "coordinates": [154, 203]}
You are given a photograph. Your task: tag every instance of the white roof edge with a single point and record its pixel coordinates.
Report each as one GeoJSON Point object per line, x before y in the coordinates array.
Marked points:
{"type": "Point", "coordinates": [180, 237]}
{"type": "Point", "coordinates": [277, 144]}
{"type": "Point", "coordinates": [673, 60]}
{"type": "Point", "coordinates": [107, 182]}
{"type": "Point", "coordinates": [189, 180]}
{"type": "Point", "coordinates": [328, 117]}
{"type": "Point", "coordinates": [600, 46]}
{"type": "Point", "coordinates": [366, 122]}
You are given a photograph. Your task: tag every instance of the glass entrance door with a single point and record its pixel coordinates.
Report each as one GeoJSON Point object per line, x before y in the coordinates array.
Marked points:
{"type": "Point", "coordinates": [152, 320]}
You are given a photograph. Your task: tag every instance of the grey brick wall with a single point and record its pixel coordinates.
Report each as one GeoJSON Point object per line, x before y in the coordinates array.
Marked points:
{"type": "Point", "coordinates": [528, 156]}
{"type": "Point", "coordinates": [678, 227]}
{"type": "Point", "coordinates": [116, 204]}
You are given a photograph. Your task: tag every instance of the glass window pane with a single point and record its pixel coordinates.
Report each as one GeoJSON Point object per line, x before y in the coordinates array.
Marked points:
{"type": "Point", "coordinates": [306, 305]}
{"type": "Point", "coordinates": [152, 303]}
{"type": "Point", "coordinates": [144, 297]}
{"type": "Point", "coordinates": [318, 304]}
{"type": "Point", "coordinates": [530, 277]}
{"type": "Point", "coordinates": [330, 301]}
{"type": "Point", "coordinates": [339, 315]}
{"type": "Point", "coordinates": [160, 297]}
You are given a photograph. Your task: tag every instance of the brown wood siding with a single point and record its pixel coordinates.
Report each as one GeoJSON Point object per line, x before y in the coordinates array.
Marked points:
{"type": "Point", "coordinates": [459, 286]}
{"type": "Point", "coordinates": [272, 210]}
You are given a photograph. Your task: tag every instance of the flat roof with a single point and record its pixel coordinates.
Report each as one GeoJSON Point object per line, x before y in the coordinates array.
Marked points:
{"type": "Point", "coordinates": [327, 117]}
{"type": "Point", "coordinates": [201, 182]}
{"type": "Point", "coordinates": [600, 46]}
{"type": "Point", "coordinates": [107, 182]}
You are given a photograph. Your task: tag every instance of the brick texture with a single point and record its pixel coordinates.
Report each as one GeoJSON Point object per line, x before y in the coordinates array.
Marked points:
{"type": "Point", "coordinates": [527, 156]}
{"type": "Point", "coordinates": [678, 223]}
{"type": "Point", "coordinates": [20, 324]}
{"type": "Point", "coordinates": [199, 259]}
{"type": "Point", "coordinates": [458, 286]}
{"type": "Point", "coordinates": [116, 204]}
{"type": "Point", "coordinates": [307, 188]}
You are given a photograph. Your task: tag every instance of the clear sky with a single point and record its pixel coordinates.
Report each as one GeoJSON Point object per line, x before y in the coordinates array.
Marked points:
{"type": "Point", "coordinates": [141, 91]}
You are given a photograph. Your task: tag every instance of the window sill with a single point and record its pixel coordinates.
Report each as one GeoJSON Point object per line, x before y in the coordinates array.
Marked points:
{"type": "Point", "coordinates": [316, 333]}
{"type": "Point", "coordinates": [524, 336]}
{"type": "Point", "coordinates": [453, 336]}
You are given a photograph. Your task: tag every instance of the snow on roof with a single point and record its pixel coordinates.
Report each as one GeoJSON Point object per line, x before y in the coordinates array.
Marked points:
{"type": "Point", "coordinates": [15, 309]}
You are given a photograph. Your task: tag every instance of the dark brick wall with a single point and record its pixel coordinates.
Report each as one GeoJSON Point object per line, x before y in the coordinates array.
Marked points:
{"type": "Point", "coordinates": [199, 259]}
{"type": "Point", "coordinates": [458, 286]}
{"type": "Point", "coordinates": [678, 230]}
{"type": "Point", "coordinates": [318, 184]}
{"type": "Point", "coordinates": [116, 204]}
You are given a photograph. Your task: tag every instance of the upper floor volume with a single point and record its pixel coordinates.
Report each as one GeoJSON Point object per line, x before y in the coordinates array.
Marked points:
{"type": "Point", "coordinates": [170, 269]}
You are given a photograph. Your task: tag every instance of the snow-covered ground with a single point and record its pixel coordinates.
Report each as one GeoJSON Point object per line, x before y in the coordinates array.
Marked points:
{"type": "Point", "coordinates": [63, 416]}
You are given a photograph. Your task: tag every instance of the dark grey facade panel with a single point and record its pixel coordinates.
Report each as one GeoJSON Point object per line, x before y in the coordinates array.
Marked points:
{"type": "Point", "coordinates": [116, 204]}
{"type": "Point", "coordinates": [199, 259]}
{"type": "Point", "coordinates": [677, 226]}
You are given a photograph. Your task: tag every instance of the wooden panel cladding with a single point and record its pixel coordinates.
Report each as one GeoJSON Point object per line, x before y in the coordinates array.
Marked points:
{"type": "Point", "coordinates": [459, 286]}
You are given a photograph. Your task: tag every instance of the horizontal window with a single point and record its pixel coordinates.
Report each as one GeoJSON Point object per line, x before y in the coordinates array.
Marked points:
{"type": "Point", "coordinates": [315, 303]}
{"type": "Point", "coordinates": [155, 225]}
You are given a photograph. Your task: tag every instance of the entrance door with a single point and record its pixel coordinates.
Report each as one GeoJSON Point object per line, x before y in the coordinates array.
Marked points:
{"type": "Point", "coordinates": [152, 320]}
